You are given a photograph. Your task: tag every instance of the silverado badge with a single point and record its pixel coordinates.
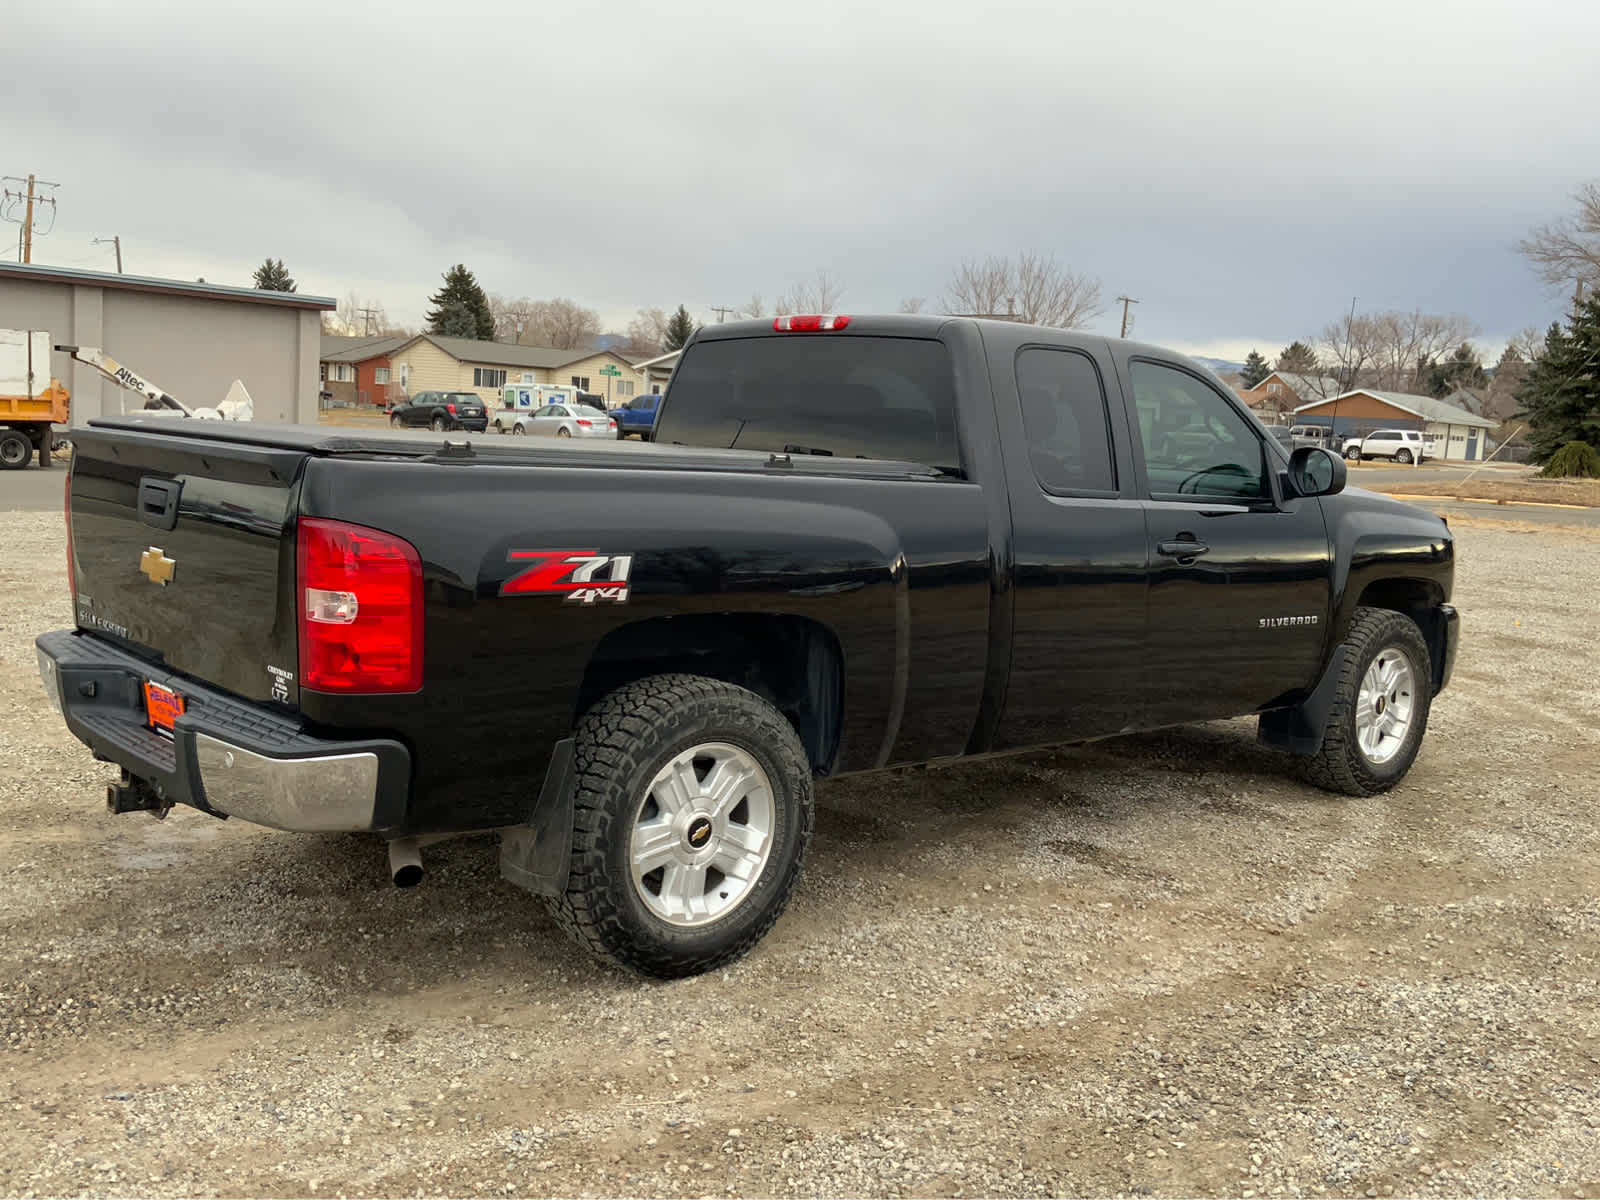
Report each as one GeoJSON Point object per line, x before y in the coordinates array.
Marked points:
{"type": "Point", "coordinates": [155, 564]}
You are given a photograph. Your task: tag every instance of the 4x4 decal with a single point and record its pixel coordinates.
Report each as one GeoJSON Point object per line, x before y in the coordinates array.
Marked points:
{"type": "Point", "coordinates": [581, 576]}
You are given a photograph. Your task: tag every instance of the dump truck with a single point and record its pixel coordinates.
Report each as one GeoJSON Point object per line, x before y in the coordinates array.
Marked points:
{"type": "Point", "coordinates": [31, 400]}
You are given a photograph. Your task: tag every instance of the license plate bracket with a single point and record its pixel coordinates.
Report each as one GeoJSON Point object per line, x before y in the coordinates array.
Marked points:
{"type": "Point", "coordinates": [162, 706]}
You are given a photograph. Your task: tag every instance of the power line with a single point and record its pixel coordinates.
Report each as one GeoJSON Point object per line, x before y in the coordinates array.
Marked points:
{"type": "Point", "coordinates": [722, 311]}
{"type": "Point", "coordinates": [27, 198]}
{"type": "Point", "coordinates": [368, 316]}
{"type": "Point", "coordinates": [1125, 301]}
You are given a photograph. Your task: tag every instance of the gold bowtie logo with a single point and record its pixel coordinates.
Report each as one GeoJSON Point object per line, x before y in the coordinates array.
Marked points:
{"type": "Point", "coordinates": [157, 566]}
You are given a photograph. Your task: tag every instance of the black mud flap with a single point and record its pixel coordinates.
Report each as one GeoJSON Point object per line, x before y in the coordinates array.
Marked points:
{"type": "Point", "coordinates": [538, 856]}
{"type": "Point", "coordinates": [1299, 729]}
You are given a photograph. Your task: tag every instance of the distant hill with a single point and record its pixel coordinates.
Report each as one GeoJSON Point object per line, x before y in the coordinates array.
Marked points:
{"type": "Point", "coordinates": [1220, 365]}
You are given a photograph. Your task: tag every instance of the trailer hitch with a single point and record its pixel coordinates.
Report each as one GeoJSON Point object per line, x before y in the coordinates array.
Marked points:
{"type": "Point", "coordinates": [135, 795]}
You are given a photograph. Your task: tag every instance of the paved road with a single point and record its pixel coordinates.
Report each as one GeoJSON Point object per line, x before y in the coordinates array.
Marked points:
{"type": "Point", "coordinates": [33, 490]}
{"type": "Point", "coordinates": [1388, 475]}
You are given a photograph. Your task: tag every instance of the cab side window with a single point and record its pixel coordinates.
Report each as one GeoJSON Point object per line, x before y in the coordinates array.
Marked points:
{"type": "Point", "coordinates": [1195, 444]}
{"type": "Point", "coordinates": [1065, 421]}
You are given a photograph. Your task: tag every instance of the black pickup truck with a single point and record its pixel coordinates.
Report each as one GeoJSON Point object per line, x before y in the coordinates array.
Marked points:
{"type": "Point", "coordinates": [853, 543]}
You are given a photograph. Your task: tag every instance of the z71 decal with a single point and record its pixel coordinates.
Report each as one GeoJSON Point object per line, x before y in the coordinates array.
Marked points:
{"type": "Point", "coordinates": [581, 576]}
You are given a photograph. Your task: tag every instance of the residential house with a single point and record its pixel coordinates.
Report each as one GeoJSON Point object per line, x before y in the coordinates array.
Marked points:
{"type": "Point", "coordinates": [433, 362]}
{"type": "Point", "coordinates": [1284, 391]}
{"type": "Point", "coordinates": [356, 371]}
{"type": "Point", "coordinates": [1457, 434]}
{"type": "Point", "coordinates": [656, 371]}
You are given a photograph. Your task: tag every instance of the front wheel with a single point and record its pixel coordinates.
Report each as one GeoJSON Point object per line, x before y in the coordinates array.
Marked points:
{"type": "Point", "coordinates": [518, 431]}
{"type": "Point", "coordinates": [394, 422]}
{"type": "Point", "coordinates": [692, 813]}
{"type": "Point", "coordinates": [1353, 453]}
{"type": "Point", "coordinates": [1380, 711]}
{"type": "Point", "coordinates": [563, 432]}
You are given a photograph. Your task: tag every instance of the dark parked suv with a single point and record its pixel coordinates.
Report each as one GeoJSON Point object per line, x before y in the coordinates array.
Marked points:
{"type": "Point", "coordinates": [440, 411]}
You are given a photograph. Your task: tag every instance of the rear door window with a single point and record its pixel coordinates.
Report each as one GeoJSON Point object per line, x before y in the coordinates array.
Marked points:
{"type": "Point", "coordinates": [850, 396]}
{"type": "Point", "coordinates": [1065, 421]}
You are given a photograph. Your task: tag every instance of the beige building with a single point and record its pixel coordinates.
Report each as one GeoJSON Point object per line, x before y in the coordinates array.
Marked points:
{"type": "Point", "coordinates": [433, 363]}
{"type": "Point", "coordinates": [193, 339]}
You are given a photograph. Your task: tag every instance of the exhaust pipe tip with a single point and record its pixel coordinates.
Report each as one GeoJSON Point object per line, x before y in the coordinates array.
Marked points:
{"type": "Point", "coordinates": [405, 862]}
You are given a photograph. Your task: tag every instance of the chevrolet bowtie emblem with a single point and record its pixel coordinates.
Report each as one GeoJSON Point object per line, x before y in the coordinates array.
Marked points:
{"type": "Point", "coordinates": [154, 563]}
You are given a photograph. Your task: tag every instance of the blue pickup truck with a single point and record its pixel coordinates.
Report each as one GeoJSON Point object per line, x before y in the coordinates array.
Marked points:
{"type": "Point", "coordinates": [637, 416]}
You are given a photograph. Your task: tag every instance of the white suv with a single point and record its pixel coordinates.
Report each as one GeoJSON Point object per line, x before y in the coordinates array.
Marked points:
{"type": "Point", "coordinates": [1401, 445]}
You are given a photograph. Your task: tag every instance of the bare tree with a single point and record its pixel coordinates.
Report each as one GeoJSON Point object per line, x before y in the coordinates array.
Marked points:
{"type": "Point", "coordinates": [1390, 351]}
{"type": "Point", "coordinates": [1529, 344]}
{"type": "Point", "coordinates": [912, 304]}
{"type": "Point", "coordinates": [1566, 252]}
{"type": "Point", "coordinates": [1034, 287]}
{"type": "Point", "coordinates": [511, 316]}
{"type": "Point", "coordinates": [561, 324]}
{"type": "Point", "coordinates": [753, 307]}
{"type": "Point", "coordinates": [646, 332]}
{"type": "Point", "coordinates": [360, 316]}
{"type": "Point", "coordinates": [820, 294]}
{"type": "Point", "coordinates": [981, 287]}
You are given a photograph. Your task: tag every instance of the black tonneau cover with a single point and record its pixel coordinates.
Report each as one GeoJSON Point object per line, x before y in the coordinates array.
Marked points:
{"type": "Point", "coordinates": [493, 448]}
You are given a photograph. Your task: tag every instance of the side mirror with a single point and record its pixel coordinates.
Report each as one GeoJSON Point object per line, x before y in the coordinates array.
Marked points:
{"type": "Point", "coordinates": [1314, 471]}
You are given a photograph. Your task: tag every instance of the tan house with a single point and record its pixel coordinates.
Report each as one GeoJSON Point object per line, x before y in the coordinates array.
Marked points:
{"type": "Point", "coordinates": [431, 362]}
{"type": "Point", "coordinates": [1284, 391]}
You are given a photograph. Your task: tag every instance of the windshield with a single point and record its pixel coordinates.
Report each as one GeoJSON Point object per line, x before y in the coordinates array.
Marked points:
{"type": "Point", "coordinates": [850, 396]}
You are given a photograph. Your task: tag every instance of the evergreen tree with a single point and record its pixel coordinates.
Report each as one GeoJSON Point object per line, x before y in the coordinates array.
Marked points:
{"type": "Point", "coordinates": [680, 328]}
{"type": "Point", "coordinates": [1461, 370]}
{"type": "Point", "coordinates": [1561, 396]}
{"type": "Point", "coordinates": [456, 320]}
{"type": "Point", "coordinates": [1255, 370]}
{"type": "Point", "coordinates": [461, 289]}
{"type": "Point", "coordinates": [273, 276]}
{"type": "Point", "coordinates": [1299, 358]}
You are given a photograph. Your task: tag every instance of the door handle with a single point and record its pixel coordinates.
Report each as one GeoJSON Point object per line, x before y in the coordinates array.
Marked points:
{"type": "Point", "coordinates": [1183, 549]}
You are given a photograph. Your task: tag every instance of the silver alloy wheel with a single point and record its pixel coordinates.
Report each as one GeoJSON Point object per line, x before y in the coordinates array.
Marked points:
{"type": "Point", "coordinates": [1384, 705]}
{"type": "Point", "coordinates": [703, 834]}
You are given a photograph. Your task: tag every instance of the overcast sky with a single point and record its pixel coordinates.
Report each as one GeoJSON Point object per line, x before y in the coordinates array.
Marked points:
{"type": "Point", "coordinates": [1243, 168]}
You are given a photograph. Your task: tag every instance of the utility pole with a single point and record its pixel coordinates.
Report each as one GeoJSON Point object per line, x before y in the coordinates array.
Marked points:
{"type": "Point", "coordinates": [30, 200]}
{"type": "Point", "coordinates": [115, 241]}
{"type": "Point", "coordinates": [722, 312]}
{"type": "Point", "coordinates": [1125, 301]}
{"type": "Point", "coordinates": [368, 316]}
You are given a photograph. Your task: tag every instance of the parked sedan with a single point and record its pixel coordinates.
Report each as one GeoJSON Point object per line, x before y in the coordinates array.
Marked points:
{"type": "Point", "coordinates": [440, 411]}
{"type": "Point", "coordinates": [565, 420]}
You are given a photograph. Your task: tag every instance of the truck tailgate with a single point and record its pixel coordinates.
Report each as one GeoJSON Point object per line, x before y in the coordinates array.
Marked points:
{"type": "Point", "coordinates": [183, 552]}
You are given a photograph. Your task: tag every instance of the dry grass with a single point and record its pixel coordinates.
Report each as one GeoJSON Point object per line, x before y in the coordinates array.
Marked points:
{"type": "Point", "coordinates": [1526, 490]}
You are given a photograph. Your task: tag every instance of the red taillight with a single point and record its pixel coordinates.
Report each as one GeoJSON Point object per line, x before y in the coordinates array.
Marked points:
{"type": "Point", "coordinates": [585, 422]}
{"type": "Point", "coordinates": [72, 566]}
{"type": "Point", "coordinates": [808, 324]}
{"type": "Point", "coordinates": [451, 409]}
{"type": "Point", "coordinates": [360, 598]}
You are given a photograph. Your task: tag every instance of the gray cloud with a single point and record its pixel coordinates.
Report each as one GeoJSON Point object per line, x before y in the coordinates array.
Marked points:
{"type": "Point", "coordinates": [1244, 168]}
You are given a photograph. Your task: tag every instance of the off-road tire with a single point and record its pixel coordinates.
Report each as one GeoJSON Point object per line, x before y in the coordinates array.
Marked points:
{"type": "Point", "coordinates": [1340, 766]}
{"type": "Point", "coordinates": [16, 451]}
{"type": "Point", "coordinates": [621, 743]}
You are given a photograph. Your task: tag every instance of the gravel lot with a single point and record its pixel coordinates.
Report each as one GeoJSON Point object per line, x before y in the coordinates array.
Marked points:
{"type": "Point", "coordinates": [1154, 966]}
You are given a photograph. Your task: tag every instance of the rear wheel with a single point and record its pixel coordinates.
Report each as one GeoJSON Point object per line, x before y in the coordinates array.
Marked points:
{"type": "Point", "coordinates": [1403, 456]}
{"type": "Point", "coordinates": [692, 814]}
{"type": "Point", "coordinates": [1380, 712]}
{"type": "Point", "coordinates": [16, 451]}
{"type": "Point", "coordinates": [439, 425]}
